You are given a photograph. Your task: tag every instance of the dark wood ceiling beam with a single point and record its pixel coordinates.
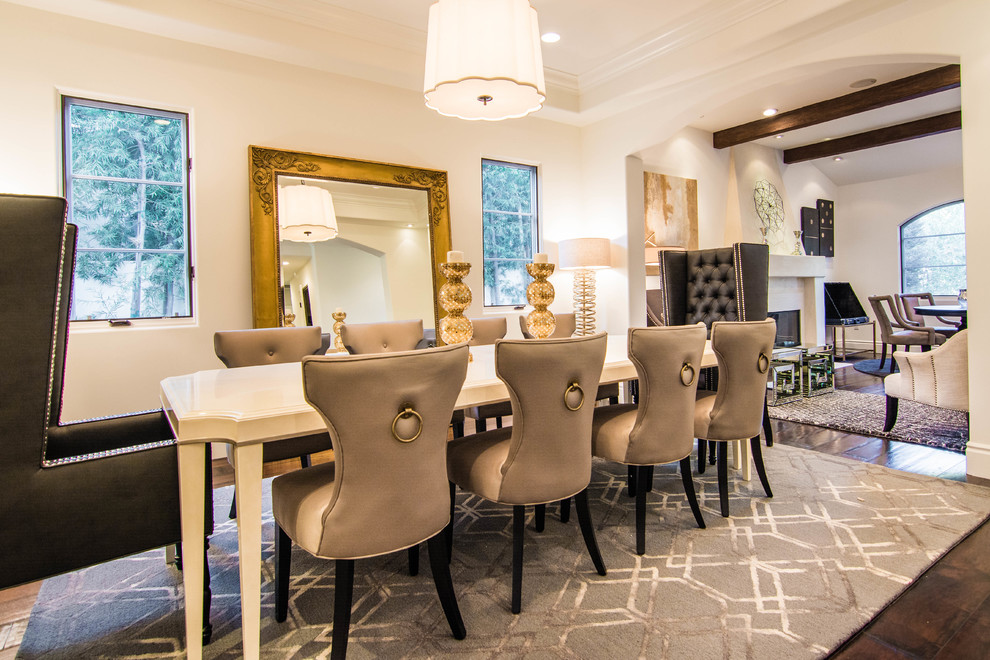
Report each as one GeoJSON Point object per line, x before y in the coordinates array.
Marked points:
{"type": "Point", "coordinates": [950, 121]}
{"type": "Point", "coordinates": [897, 91]}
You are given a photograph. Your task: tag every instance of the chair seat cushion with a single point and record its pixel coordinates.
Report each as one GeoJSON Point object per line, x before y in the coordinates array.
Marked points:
{"type": "Point", "coordinates": [914, 338]}
{"type": "Point", "coordinates": [610, 431]}
{"type": "Point", "coordinates": [474, 462]}
{"type": "Point", "coordinates": [299, 499]}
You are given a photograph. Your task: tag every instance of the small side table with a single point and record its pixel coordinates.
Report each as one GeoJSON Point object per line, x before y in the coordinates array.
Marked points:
{"type": "Point", "coordinates": [835, 344]}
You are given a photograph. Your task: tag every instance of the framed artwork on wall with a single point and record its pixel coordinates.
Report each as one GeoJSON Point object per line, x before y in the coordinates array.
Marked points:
{"type": "Point", "coordinates": [671, 214]}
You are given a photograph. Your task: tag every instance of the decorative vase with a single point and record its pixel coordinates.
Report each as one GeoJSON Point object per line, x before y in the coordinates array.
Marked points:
{"type": "Point", "coordinates": [455, 296]}
{"type": "Point", "coordinates": [963, 298]}
{"type": "Point", "coordinates": [338, 320]}
{"type": "Point", "coordinates": [290, 319]}
{"type": "Point", "coordinates": [540, 322]}
{"type": "Point", "coordinates": [797, 243]}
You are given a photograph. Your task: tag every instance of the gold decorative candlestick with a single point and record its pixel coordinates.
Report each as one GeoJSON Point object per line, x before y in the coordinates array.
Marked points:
{"type": "Point", "coordinates": [290, 320]}
{"type": "Point", "coordinates": [338, 320]}
{"type": "Point", "coordinates": [797, 243]}
{"type": "Point", "coordinates": [539, 294]}
{"type": "Point", "coordinates": [455, 296]}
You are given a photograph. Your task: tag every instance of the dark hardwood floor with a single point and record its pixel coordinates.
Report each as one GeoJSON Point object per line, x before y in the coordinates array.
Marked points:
{"type": "Point", "coordinates": [944, 614]}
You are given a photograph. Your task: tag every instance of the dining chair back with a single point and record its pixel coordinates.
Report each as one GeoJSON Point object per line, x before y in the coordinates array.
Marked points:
{"type": "Point", "coordinates": [546, 455]}
{"type": "Point", "coordinates": [660, 427]}
{"type": "Point", "coordinates": [384, 337]}
{"type": "Point", "coordinates": [566, 326]}
{"type": "Point", "coordinates": [897, 331]}
{"type": "Point", "coordinates": [387, 415]}
{"type": "Point", "coordinates": [906, 303]}
{"type": "Point", "coordinates": [486, 331]}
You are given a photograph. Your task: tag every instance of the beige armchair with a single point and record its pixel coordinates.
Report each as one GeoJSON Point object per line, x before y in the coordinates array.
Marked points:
{"type": "Point", "coordinates": [896, 331]}
{"type": "Point", "coordinates": [388, 489]}
{"type": "Point", "coordinates": [908, 301]}
{"type": "Point", "coordinates": [937, 378]}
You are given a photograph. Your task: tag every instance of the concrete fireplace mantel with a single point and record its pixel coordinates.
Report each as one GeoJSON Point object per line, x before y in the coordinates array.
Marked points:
{"type": "Point", "coordinates": [798, 282]}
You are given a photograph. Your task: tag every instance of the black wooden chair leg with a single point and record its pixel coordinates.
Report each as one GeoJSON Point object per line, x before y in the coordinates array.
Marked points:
{"type": "Point", "coordinates": [445, 587]}
{"type": "Point", "coordinates": [702, 458]}
{"type": "Point", "coordinates": [641, 514]}
{"type": "Point", "coordinates": [588, 530]}
{"type": "Point", "coordinates": [306, 460]}
{"type": "Point", "coordinates": [207, 593]}
{"type": "Point", "coordinates": [541, 517]}
{"type": "Point", "coordinates": [233, 506]}
{"type": "Point", "coordinates": [761, 470]}
{"type": "Point", "coordinates": [631, 481]}
{"type": "Point", "coordinates": [480, 425]}
{"type": "Point", "coordinates": [891, 416]}
{"type": "Point", "coordinates": [723, 478]}
{"type": "Point", "coordinates": [498, 422]}
{"type": "Point", "coordinates": [565, 510]}
{"type": "Point", "coordinates": [413, 553]}
{"type": "Point", "coordinates": [283, 562]}
{"type": "Point", "coordinates": [343, 589]}
{"type": "Point", "coordinates": [711, 452]}
{"type": "Point", "coordinates": [767, 426]}
{"type": "Point", "coordinates": [883, 354]}
{"type": "Point", "coordinates": [647, 478]}
{"type": "Point", "coordinates": [458, 429]}
{"type": "Point", "coordinates": [449, 530]}
{"type": "Point", "coordinates": [692, 497]}
{"type": "Point", "coordinates": [518, 530]}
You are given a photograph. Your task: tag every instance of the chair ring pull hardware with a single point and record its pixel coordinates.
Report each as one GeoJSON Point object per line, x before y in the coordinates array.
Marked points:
{"type": "Point", "coordinates": [694, 374]}
{"type": "Point", "coordinates": [763, 363]}
{"type": "Point", "coordinates": [572, 388]}
{"type": "Point", "coordinates": [406, 412]}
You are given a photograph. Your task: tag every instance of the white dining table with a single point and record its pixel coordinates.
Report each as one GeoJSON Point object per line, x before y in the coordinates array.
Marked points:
{"type": "Point", "coordinates": [248, 406]}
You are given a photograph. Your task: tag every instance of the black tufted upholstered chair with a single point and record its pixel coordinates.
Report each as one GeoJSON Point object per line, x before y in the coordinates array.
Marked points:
{"type": "Point", "coordinates": [72, 494]}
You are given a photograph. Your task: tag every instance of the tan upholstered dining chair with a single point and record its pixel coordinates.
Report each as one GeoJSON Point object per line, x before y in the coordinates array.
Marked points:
{"type": "Point", "coordinates": [384, 337]}
{"type": "Point", "coordinates": [660, 428]}
{"type": "Point", "coordinates": [387, 489]}
{"type": "Point", "coordinates": [937, 378]}
{"type": "Point", "coordinates": [546, 455]}
{"type": "Point", "coordinates": [250, 348]}
{"type": "Point", "coordinates": [898, 332]}
{"type": "Point", "coordinates": [566, 326]}
{"type": "Point", "coordinates": [734, 412]}
{"type": "Point", "coordinates": [906, 303]}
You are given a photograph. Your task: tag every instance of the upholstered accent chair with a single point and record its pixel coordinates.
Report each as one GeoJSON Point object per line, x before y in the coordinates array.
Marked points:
{"type": "Point", "coordinates": [734, 412]}
{"type": "Point", "coordinates": [384, 337]}
{"type": "Point", "coordinates": [387, 490]}
{"type": "Point", "coordinates": [906, 302]}
{"type": "Point", "coordinates": [486, 331]}
{"type": "Point", "coordinates": [250, 348]}
{"type": "Point", "coordinates": [546, 455]}
{"type": "Point", "coordinates": [72, 494]}
{"type": "Point", "coordinates": [660, 427]}
{"type": "Point", "coordinates": [896, 331]}
{"type": "Point", "coordinates": [937, 378]}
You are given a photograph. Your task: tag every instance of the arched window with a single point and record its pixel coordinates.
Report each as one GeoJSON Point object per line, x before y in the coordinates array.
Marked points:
{"type": "Point", "coordinates": [933, 251]}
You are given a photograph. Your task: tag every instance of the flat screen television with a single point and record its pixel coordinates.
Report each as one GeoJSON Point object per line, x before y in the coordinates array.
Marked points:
{"type": "Point", "coordinates": [842, 307]}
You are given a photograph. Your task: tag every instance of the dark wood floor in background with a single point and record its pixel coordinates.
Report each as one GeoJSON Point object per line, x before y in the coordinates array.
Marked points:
{"type": "Point", "coordinates": [944, 614]}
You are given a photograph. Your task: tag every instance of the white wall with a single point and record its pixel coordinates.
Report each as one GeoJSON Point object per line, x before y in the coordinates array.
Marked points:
{"type": "Point", "coordinates": [237, 101]}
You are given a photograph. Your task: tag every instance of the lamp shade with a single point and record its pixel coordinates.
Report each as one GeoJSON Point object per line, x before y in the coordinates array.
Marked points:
{"type": "Point", "coordinates": [589, 253]}
{"type": "Point", "coordinates": [483, 59]}
{"type": "Point", "coordinates": [305, 214]}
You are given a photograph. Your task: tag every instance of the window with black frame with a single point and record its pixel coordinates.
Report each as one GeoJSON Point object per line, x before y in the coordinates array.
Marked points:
{"type": "Point", "coordinates": [933, 251]}
{"type": "Point", "coordinates": [126, 172]}
{"type": "Point", "coordinates": [510, 230]}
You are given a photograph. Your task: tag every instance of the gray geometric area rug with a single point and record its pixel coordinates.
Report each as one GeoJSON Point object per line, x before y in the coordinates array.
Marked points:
{"type": "Point", "coordinates": [863, 414]}
{"type": "Point", "coordinates": [788, 577]}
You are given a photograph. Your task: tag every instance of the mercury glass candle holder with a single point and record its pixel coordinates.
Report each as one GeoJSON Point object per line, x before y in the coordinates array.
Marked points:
{"type": "Point", "coordinates": [455, 297]}
{"type": "Point", "coordinates": [540, 322]}
{"type": "Point", "coordinates": [797, 243]}
{"type": "Point", "coordinates": [338, 320]}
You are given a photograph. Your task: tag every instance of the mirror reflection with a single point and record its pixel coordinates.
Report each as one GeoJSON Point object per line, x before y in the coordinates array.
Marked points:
{"type": "Point", "coordinates": [376, 268]}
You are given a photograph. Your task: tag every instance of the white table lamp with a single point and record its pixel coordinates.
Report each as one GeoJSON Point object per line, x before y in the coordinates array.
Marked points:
{"type": "Point", "coordinates": [585, 256]}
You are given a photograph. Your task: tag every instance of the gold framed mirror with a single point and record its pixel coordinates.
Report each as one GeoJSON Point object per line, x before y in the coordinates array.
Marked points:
{"type": "Point", "coordinates": [392, 189]}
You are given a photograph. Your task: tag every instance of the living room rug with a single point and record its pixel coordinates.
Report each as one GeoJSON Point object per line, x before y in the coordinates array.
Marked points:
{"type": "Point", "coordinates": [787, 577]}
{"type": "Point", "coordinates": [872, 367]}
{"type": "Point", "coordinates": [863, 414]}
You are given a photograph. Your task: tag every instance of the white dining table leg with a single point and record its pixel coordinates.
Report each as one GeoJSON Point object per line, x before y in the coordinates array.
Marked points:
{"type": "Point", "coordinates": [745, 454]}
{"type": "Point", "coordinates": [247, 480]}
{"type": "Point", "coordinates": [192, 503]}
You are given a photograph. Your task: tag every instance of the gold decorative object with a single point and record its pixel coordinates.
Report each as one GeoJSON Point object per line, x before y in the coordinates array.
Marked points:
{"type": "Point", "coordinates": [338, 320]}
{"type": "Point", "coordinates": [290, 320]}
{"type": "Point", "coordinates": [455, 296]}
{"type": "Point", "coordinates": [540, 322]}
{"type": "Point", "coordinates": [584, 256]}
{"type": "Point", "coordinates": [797, 243]}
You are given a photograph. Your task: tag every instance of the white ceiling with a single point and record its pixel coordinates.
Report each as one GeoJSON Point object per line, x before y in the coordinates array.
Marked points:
{"type": "Point", "coordinates": [612, 56]}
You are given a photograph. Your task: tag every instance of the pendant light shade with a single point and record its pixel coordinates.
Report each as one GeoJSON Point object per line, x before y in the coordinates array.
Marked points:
{"type": "Point", "coordinates": [305, 214]}
{"type": "Point", "coordinates": [483, 59]}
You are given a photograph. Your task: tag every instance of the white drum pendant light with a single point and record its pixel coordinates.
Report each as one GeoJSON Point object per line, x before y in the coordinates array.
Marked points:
{"type": "Point", "coordinates": [305, 214]}
{"type": "Point", "coordinates": [483, 59]}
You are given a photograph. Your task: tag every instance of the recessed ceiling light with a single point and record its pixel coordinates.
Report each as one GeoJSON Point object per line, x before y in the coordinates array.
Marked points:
{"type": "Point", "coordinates": [837, 158]}
{"type": "Point", "coordinates": [770, 112]}
{"type": "Point", "coordinates": [550, 37]}
{"type": "Point", "coordinates": [865, 82]}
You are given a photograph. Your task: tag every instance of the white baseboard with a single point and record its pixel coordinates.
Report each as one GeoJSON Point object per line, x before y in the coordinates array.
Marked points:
{"type": "Point", "coordinates": [978, 459]}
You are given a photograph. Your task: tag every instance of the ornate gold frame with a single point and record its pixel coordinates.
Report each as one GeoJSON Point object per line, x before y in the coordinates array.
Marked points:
{"type": "Point", "coordinates": [265, 164]}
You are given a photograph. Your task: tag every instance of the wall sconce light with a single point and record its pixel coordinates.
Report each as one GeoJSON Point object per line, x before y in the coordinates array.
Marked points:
{"type": "Point", "coordinates": [305, 214]}
{"type": "Point", "coordinates": [585, 256]}
{"type": "Point", "coordinates": [483, 59]}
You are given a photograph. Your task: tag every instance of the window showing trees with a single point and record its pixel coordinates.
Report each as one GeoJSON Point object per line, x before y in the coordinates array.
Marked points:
{"type": "Point", "coordinates": [126, 182]}
{"type": "Point", "coordinates": [933, 251]}
{"type": "Point", "coordinates": [510, 231]}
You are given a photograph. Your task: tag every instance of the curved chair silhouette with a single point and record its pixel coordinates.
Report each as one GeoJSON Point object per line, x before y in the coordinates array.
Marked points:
{"type": "Point", "coordinates": [387, 490]}
{"type": "Point", "coordinates": [734, 412]}
{"type": "Point", "coordinates": [937, 378]}
{"type": "Point", "coordinates": [906, 303]}
{"type": "Point", "coordinates": [486, 331]}
{"type": "Point", "coordinates": [250, 348]}
{"type": "Point", "coordinates": [384, 337]}
{"type": "Point", "coordinates": [660, 428]}
{"type": "Point", "coordinates": [899, 332]}
{"type": "Point", "coordinates": [546, 455]}
{"type": "Point", "coordinates": [566, 326]}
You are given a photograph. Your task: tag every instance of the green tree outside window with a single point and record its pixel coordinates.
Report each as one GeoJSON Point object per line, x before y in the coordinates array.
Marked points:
{"type": "Point", "coordinates": [510, 233]}
{"type": "Point", "coordinates": [933, 251]}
